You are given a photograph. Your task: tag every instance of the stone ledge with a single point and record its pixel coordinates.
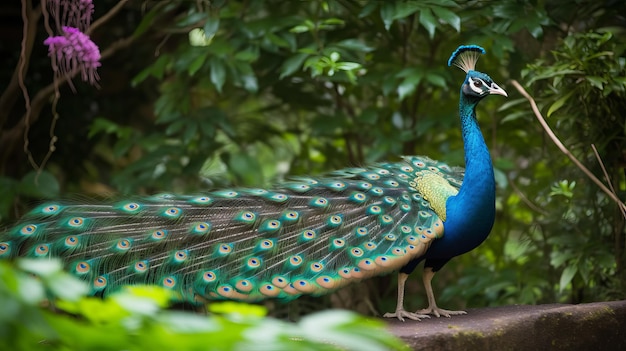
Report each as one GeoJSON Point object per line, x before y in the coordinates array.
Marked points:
{"type": "Point", "coordinates": [600, 326]}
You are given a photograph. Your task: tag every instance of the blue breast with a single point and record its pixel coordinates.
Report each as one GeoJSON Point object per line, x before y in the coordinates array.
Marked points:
{"type": "Point", "coordinates": [471, 213]}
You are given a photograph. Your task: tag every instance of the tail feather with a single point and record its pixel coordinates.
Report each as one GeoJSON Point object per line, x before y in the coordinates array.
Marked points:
{"type": "Point", "coordinates": [307, 236]}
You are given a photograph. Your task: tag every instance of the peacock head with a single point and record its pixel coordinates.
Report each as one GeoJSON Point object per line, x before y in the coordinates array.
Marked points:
{"type": "Point", "coordinates": [477, 85]}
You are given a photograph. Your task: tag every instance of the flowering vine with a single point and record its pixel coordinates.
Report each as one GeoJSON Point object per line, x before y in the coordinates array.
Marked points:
{"type": "Point", "coordinates": [73, 50]}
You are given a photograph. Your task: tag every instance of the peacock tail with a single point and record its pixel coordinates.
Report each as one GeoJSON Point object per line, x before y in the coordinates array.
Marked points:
{"type": "Point", "coordinates": [305, 236]}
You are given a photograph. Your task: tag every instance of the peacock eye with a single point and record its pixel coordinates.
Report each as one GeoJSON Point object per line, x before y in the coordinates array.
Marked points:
{"type": "Point", "coordinates": [478, 83]}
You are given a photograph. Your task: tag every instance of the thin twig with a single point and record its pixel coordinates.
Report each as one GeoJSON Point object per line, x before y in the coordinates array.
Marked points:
{"type": "Point", "coordinates": [46, 18]}
{"type": "Point", "coordinates": [525, 200]}
{"type": "Point", "coordinates": [563, 149]}
{"type": "Point", "coordinates": [25, 9]}
{"type": "Point", "coordinates": [606, 174]}
{"type": "Point", "coordinates": [107, 16]}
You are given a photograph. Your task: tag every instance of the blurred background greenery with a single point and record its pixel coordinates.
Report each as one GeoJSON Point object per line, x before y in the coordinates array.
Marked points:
{"type": "Point", "coordinates": [202, 94]}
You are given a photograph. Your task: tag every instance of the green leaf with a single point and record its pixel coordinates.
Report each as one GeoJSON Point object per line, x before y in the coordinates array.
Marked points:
{"type": "Point", "coordinates": [192, 19]}
{"type": "Point", "coordinates": [147, 20]}
{"type": "Point", "coordinates": [553, 73]}
{"type": "Point", "coordinates": [501, 178]}
{"type": "Point", "coordinates": [408, 85]}
{"type": "Point", "coordinates": [156, 70]}
{"type": "Point", "coordinates": [387, 13]}
{"type": "Point", "coordinates": [534, 28]}
{"type": "Point", "coordinates": [218, 73]}
{"type": "Point", "coordinates": [597, 82]}
{"type": "Point", "coordinates": [566, 277]}
{"type": "Point", "coordinates": [354, 44]}
{"type": "Point", "coordinates": [245, 166]}
{"type": "Point", "coordinates": [292, 64]}
{"type": "Point", "coordinates": [41, 268]}
{"type": "Point", "coordinates": [40, 185]}
{"type": "Point", "coordinates": [368, 9]}
{"type": "Point", "coordinates": [513, 116]}
{"type": "Point", "coordinates": [211, 26]}
{"type": "Point", "coordinates": [559, 103]}
{"type": "Point", "coordinates": [428, 21]}
{"type": "Point", "coordinates": [405, 89]}
{"type": "Point", "coordinates": [348, 66]}
{"type": "Point", "coordinates": [238, 308]}
{"type": "Point", "coordinates": [448, 16]}
{"type": "Point", "coordinates": [66, 286]}
{"type": "Point", "coordinates": [250, 54]}
{"type": "Point", "coordinates": [196, 64]}
{"type": "Point", "coordinates": [436, 79]}
{"type": "Point", "coordinates": [405, 9]}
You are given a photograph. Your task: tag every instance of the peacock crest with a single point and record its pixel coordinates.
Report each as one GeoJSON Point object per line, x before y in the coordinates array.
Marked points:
{"type": "Point", "coordinates": [465, 57]}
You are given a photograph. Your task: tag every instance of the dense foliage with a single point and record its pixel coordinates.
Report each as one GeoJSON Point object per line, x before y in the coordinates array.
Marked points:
{"type": "Point", "coordinates": [208, 94]}
{"type": "Point", "coordinates": [135, 319]}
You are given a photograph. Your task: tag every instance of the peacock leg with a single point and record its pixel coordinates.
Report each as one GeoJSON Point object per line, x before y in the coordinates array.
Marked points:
{"type": "Point", "coordinates": [432, 305]}
{"type": "Point", "coordinates": [400, 312]}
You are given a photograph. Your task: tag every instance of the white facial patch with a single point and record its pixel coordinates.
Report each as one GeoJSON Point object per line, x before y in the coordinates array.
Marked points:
{"type": "Point", "coordinates": [477, 85]}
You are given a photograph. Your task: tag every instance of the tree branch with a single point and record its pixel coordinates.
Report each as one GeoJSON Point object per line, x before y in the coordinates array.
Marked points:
{"type": "Point", "coordinates": [107, 16]}
{"type": "Point", "coordinates": [12, 91]}
{"type": "Point", "coordinates": [564, 149]}
{"type": "Point", "coordinates": [9, 138]}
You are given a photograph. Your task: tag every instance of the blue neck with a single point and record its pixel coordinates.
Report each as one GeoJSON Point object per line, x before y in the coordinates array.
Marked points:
{"type": "Point", "coordinates": [471, 213]}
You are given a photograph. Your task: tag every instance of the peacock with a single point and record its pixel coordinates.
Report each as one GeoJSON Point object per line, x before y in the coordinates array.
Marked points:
{"type": "Point", "coordinates": [307, 235]}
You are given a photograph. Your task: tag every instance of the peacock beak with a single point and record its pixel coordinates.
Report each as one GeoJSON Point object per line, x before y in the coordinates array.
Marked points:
{"type": "Point", "coordinates": [496, 90]}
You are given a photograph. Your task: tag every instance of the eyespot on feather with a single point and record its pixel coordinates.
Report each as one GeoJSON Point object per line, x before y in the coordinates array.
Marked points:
{"type": "Point", "coordinates": [316, 267]}
{"type": "Point", "coordinates": [295, 260]}
{"type": "Point", "coordinates": [5, 248]}
{"type": "Point", "coordinates": [370, 246]}
{"type": "Point", "coordinates": [50, 209]}
{"type": "Point", "coordinates": [76, 222]}
{"type": "Point", "coordinates": [244, 286]}
{"type": "Point", "coordinates": [42, 250]}
{"type": "Point", "coordinates": [326, 282]}
{"type": "Point", "coordinates": [100, 283]}
{"type": "Point", "coordinates": [360, 231]}
{"type": "Point", "coordinates": [254, 262]}
{"type": "Point", "coordinates": [290, 216]}
{"type": "Point", "coordinates": [28, 229]}
{"type": "Point", "coordinates": [71, 241]}
{"type": "Point", "coordinates": [308, 235]}
{"type": "Point", "coordinates": [209, 277]}
{"type": "Point", "coordinates": [357, 273]}
{"type": "Point", "coordinates": [172, 212]}
{"type": "Point", "coordinates": [304, 286]}
{"type": "Point", "coordinates": [180, 256]}
{"type": "Point", "coordinates": [141, 266]}
{"type": "Point", "coordinates": [169, 282]}
{"type": "Point", "coordinates": [269, 290]}
{"type": "Point", "coordinates": [201, 228]}
{"type": "Point", "coordinates": [345, 273]}
{"type": "Point", "coordinates": [246, 217]}
{"type": "Point", "coordinates": [159, 234]}
{"type": "Point", "coordinates": [280, 281]}
{"type": "Point", "coordinates": [366, 264]}
{"type": "Point", "coordinates": [383, 261]}
{"type": "Point", "coordinates": [335, 220]}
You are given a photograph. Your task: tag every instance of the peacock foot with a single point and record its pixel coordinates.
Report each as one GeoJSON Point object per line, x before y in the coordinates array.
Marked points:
{"type": "Point", "coordinates": [438, 312]}
{"type": "Point", "coordinates": [401, 314]}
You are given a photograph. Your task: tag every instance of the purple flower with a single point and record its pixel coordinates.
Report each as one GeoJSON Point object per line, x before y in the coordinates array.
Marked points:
{"type": "Point", "coordinates": [74, 13]}
{"type": "Point", "coordinates": [72, 51]}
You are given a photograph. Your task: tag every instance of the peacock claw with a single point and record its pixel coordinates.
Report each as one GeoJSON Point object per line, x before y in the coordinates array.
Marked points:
{"type": "Point", "coordinates": [400, 314]}
{"type": "Point", "coordinates": [438, 312]}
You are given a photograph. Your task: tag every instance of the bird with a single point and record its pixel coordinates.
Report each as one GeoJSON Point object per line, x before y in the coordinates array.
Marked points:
{"type": "Point", "coordinates": [305, 235]}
